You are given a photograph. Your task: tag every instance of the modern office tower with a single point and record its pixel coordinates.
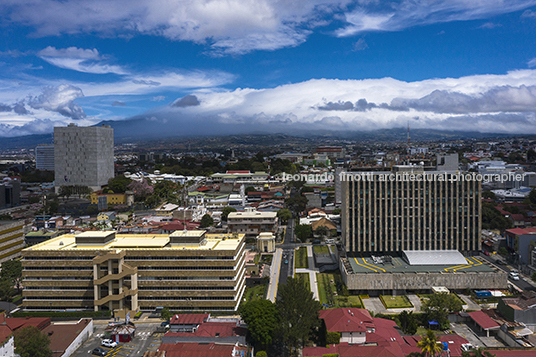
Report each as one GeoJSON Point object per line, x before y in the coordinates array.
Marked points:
{"type": "Point", "coordinates": [184, 270]}
{"type": "Point", "coordinates": [44, 157]}
{"type": "Point", "coordinates": [11, 239]}
{"type": "Point", "coordinates": [83, 156]}
{"type": "Point", "coordinates": [410, 209]}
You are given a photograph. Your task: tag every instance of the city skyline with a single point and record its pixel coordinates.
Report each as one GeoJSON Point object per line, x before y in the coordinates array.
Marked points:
{"type": "Point", "coordinates": [269, 66]}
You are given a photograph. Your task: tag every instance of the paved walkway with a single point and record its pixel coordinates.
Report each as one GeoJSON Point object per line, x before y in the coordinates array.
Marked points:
{"type": "Point", "coordinates": [274, 275]}
{"type": "Point", "coordinates": [312, 271]}
{"type": "Point", "coordinates": [416, 301]}
{"type": "Point", "coordinates": [375, 305]}
{"type": "Point", "coordinates": [471, 305]}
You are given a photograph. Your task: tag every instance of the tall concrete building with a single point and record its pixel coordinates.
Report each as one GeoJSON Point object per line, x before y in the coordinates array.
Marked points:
{"type": "Point", "coordinates": [44, 157]}
{"type": "Point", "coordinates": [11, 239]}
{"type": "Point", "coordinates": [83, 156]}
{"type": "Point", "coordinates": [410, 209]}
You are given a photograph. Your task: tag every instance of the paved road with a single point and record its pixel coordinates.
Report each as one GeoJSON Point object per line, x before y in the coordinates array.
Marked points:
{"type": "Point", "coordinates": [522, 283]}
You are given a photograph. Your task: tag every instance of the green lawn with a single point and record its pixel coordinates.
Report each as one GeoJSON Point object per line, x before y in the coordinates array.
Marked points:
{"type": "Point", "coordinates": [304, 277]}
{"type": "Point", "coordinates": [395, 302]}
{"type": "Point", "coordinates": [255, 292]}
{"type": "Point", "coordinates": [301, 260]}
{"type": "Point", "coordinates": [321, 249]}
{"type": "Point", "coordinates": [330, 295]}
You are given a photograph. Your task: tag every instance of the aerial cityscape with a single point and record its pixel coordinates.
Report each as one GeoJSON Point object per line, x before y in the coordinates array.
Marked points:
{"type": "Point", "coordinates": [263, 179]}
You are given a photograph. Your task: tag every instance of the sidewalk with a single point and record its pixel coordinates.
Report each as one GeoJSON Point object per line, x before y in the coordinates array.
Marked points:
{"type": "Point", "coordinates": [274, 275]}
{"type": "Point", "coordinates": [312, 271]}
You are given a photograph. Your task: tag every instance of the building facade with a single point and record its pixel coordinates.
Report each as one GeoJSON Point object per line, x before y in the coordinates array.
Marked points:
{"type": "Point", "coordinates": [11, 239]}
{"type": "Point", "coordinates": [385, 212]}
{"type": "Point", "coordinates": [184, 270]}
{"type": "Point", "coordinates": [83, 156]}
{"type": "Point", "coordinates": [252, 222]}
{"type": "Point", "coordinates": [9, 194]}
{"type": "Point", "coordinates": [44, 157]}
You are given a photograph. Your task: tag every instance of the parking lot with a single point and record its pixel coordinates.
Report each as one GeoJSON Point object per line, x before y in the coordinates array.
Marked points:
{"type": "Point", "coordinates": [145, 339]}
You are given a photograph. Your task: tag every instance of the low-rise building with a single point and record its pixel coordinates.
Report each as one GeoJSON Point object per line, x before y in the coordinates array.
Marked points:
{"type": "Point", "coordinates": [252, 222]}
{"type": "Point", "coordinates": [266, 242]}
{"type": "Point", "coordinates": [184, 270]}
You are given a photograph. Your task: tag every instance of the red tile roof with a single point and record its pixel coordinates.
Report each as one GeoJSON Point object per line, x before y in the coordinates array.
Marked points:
{"type": "Point", "coordinates": [188, 318]}
{"type": "Point", "coordinates": [521, 231]}
{"type": "Point", "coordinates": [198, 349]}
{"type": "Point", "coordinates": [5, 332]}
{"type": "Point", "coordinates": [346, 320]}
{"type": "Point", "coordinates": [483, 320]}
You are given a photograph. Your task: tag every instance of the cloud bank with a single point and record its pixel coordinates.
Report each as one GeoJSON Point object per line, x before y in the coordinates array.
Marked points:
{"type": "Point", "coordinates": [238, 26]}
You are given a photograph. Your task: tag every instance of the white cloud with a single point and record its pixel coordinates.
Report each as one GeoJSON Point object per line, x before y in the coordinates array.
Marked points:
{"type": "Point", "coordinates": [158, 98]}
{"type": "Point", "coordinates": [399, 15]}
{"type": "Point", "coordinates": [61, 100]}
{"type": "Point", "coordinates": [78, 59]}
{"type": "Point", "coordinates": [532, 63]}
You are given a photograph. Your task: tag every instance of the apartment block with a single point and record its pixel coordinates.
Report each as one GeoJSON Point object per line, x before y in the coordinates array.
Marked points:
{"type": "Point", "coordinates": [83, 156]}
{"type": "Point", "coordinates": [385, 212]}
{"type": "Point", "coordinates": [252, 222]}
{"type": "Point", "coordinates": [44, 157]}
{"type": "Point", "coordinates": [184, 270]}
{"type": "Point", "coordinates": [11, 239]}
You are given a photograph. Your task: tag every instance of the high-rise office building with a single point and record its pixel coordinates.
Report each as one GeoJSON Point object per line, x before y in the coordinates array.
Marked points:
{"type": "Point", "coordinates": [44, 157]}
{"type": "Point", "coordinates": [410, 209]}
{"type": "Point", "coordinates": [83, 156]}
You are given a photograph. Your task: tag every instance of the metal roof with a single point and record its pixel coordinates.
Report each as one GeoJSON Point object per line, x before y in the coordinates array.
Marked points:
{"type": "Point", "coordinates": [434, 257]}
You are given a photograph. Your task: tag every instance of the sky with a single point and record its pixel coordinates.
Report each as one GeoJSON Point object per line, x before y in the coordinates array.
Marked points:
{"type": "Point", "coordinates": [285, 64]}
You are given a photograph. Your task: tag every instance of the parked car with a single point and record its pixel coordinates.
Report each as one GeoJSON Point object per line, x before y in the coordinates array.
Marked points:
{"type": "Point", "coordinates": [99, 351]}
{"type": "Point", "coordinates": [286, 261]}
{"type": "Point", "coordinates": [108, 343]}
{"type": "Point", "coordinates": [467, 347]}
{"type": "Point", "coordinates": [165, 324]}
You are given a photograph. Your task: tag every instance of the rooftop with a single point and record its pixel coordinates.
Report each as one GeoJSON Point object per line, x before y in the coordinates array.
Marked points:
{"type": "Point", "coordinates": [141, 241]}
{"type": "Point", "coordinates": [433, 257]}
{"type": "Point", "coordinates": [398, 265]}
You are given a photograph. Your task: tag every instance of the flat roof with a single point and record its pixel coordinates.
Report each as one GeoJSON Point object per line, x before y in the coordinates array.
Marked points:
{"type": "Point", "coordinates": [141, 242]}
{"type": "Point", "coordinates": [252, 214]}
{"type": "Point", "coordinates": [367, 265]}
{"type": "Point", "coordinates": [433, 257]}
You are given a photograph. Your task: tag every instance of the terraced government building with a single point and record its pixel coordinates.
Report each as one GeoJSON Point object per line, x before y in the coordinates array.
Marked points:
{"type": "Point", "coordinates": [185, 270]}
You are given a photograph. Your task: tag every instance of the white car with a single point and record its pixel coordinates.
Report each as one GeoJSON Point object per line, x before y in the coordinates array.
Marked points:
{"type": "Point", "coordinates": [467, 347]}
{"type": "Point", "coordinates": [514, 275]}
{"type": "Point", "coordinates": [108, 343]}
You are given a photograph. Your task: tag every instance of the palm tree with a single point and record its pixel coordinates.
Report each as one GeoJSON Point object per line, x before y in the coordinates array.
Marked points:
{"type": "Point", "coordinates": [429, 344]}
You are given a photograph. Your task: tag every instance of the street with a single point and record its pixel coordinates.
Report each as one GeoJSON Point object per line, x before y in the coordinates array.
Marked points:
{"type": "Point", "coordinates": [521, 283]}
{"type": "Point", "coordinates": [145, 340]}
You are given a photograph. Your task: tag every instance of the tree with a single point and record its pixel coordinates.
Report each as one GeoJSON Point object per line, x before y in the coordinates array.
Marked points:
{"type": "Point", "coordinates": [533, 277]}
{"type": "Point", "coordinates": [225, 212]}
{"type": "Point", "coordinates": [322, 231]}
{"type": "Point", "coordinates": [141, 189]}
{"type": "Point", "coordinates": [6, 289]}
{"type": "Point", "coordinates": [303, 231]}
{"type": "Point", "coordinates": [30, 342]}
{"type": "Point", "coordinates": [249, 189]}
{"type": "Point", "coordinates": [206, 221]}
{"type": "Point", "coordinates": [531, 155]}
{"type": "Point", "coordinates": [488, 195]}
{"type": "Point", "coordinates": [407, 322]}
{"type": "Point", "coordinates": [532, 196]}
{"type": "Point", "coordinates": [503, 251]}
{"type": "Point", "coordinates": [119, 184]}
{"type": "Point", "coordinates": [284, 215]}
{"type": "Point", "coordinates": [12, 269]}
{"type": "Point", "coordinates": [261, 354]}
{"type": "Point", "coordinates": [296, 204]}
{"type": "Point", "coordinates": [439, 305]}
{"type": "Point", "coordinates": [262, 318]}
{"type": "Point", "coordinates": [429, 345]}
{"type": "Point", "coordinates": [165, 314]}
{"type": "Point", "coordinates": [337, 211]}
{"type": "Point", "coordinates": [298, 312]}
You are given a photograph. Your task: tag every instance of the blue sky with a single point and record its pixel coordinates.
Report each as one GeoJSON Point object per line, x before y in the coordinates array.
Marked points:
{"type": "Point", "coordinates": [322, 64]}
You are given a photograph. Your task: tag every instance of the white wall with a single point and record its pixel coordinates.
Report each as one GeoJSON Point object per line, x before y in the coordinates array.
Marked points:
{"type": "Point", "coordinates": [82, 336]}
{"type": "Point", "coordinates": [353, 337]}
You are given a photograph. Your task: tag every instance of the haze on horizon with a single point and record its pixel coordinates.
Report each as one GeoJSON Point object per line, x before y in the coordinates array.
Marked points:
{"type": "Point", "coordinates": [207, 67]}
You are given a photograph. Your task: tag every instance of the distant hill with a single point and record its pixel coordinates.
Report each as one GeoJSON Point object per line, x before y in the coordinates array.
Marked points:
{"type": "Point", "coordinates": [143, 129]}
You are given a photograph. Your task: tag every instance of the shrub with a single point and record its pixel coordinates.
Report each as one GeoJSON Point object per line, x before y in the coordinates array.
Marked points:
{"type": "Point", "coordinates": [333, 338]}
{"type": "Point", "coordinates": [261, 354]}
